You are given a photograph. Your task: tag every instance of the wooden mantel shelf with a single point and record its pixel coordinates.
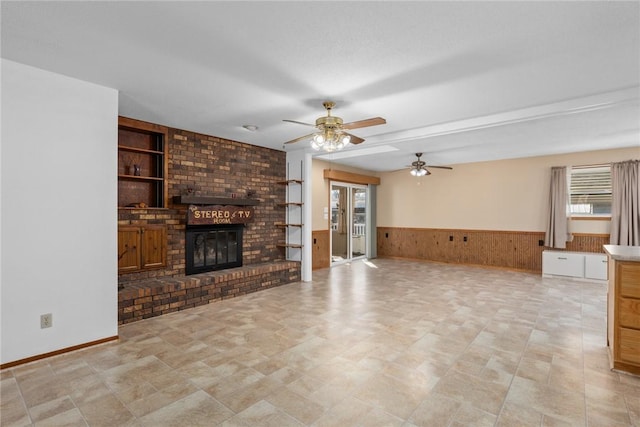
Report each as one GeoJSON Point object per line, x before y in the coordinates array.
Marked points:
{"type": "Point", "coordinates": [205, 200]}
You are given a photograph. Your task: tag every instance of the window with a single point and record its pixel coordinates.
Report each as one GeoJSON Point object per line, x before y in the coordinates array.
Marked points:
{"type": "Point", "coordinates": [590, 190]}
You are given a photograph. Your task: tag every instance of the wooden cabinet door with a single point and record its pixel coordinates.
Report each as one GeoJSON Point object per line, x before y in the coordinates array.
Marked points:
{"type": "Point", "coordinates": [154, 240]}
{"type": "Point", "coordinates": [128, 249]}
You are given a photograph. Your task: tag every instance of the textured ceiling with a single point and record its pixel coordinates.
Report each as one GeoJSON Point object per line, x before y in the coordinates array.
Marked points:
{"type": "Point", "coordinates": [459, 81]}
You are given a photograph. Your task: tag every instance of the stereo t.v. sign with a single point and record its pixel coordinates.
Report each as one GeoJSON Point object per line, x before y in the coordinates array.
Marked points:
{"type": "Point", "coordinates": [217, 214]}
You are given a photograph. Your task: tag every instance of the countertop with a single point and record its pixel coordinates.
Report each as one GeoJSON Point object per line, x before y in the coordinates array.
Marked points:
{"type": "Point", "coordinates": [623, 253]}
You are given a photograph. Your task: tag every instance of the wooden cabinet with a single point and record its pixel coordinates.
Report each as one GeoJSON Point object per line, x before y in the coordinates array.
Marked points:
{"type": "Point", "coordinates": [142, 164]}
{"type": "Point", "coordinates": [623, 315]}
{"type": "Point", "coordinates": [141, 247]}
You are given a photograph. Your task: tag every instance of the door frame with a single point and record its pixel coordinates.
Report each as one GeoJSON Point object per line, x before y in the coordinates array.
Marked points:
{"type": "Point", "coordinates": [350, 186]}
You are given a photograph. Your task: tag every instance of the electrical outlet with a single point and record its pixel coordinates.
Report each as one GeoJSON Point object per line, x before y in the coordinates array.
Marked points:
{"type": "Point", "coordinates": [46, 321]}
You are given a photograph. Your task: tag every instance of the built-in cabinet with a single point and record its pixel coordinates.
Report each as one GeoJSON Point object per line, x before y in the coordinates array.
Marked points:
{"type": "Point", "coordinates": [141, 247]}
{"type": "Point", "coordinates": [142, 170]}
{"type": "Point", "coordinates": [579, 265]}
{"type": "Point", "coordinates": [623, 308]}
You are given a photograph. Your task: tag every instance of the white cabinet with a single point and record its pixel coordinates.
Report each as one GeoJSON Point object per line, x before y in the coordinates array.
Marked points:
{"type": "Point", "coordinates": [595, 266]}
{"type": "Point", "coordinates": [580, 265]}
{"type": "Point", "coordinates": [563, 263]}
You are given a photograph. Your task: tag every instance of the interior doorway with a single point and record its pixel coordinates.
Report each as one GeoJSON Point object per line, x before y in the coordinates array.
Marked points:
{"type": "Point", "coordinates": [348, 222]}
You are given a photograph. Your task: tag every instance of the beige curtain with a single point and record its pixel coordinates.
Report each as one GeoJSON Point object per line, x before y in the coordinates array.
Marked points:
{"type": "Point", "coordinates": [557, 234]}
{"type": "Point", "coordinates": [625, 206]}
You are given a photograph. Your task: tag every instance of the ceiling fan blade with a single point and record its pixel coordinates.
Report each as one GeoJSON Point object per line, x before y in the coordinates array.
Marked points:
{"type": "Point", "coordinates": [364, 123]}
{"type": "Point", "coordinates": [300, 123]}
{"type": "Point", "coordinates": [440, 167]}
{"type": "Point", "coordinates": [299, 139]}
{"type": "Point", "coordinates": [354, 139]}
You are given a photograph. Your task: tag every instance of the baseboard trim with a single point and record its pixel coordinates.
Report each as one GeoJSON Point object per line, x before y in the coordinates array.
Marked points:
{"type": "Point", "coordinates": [57, 352]}
{"type": "Point", "coordinates": [464, 264]}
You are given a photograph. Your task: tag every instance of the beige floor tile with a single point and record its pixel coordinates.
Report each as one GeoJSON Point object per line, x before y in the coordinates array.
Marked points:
{"type": "Point", "coordinates": [69, 418]}
{"type": "Point", "coordinates": [301, 408]}
{"type": "Point", "coordinates": [513, 414]}
{"type": "Point", "coordinates": [482, 394]}
{"type": "Point", "coordinates": [353, 412]}
{"type": "Point", "coordinates": [246, 396]}
{"type": "Point", "coordinates": [262, 414]}
{"type": "Point", "coordinates": [468, 415]}
{"type": "Point", "coordinates": [392, 395]}
{"type": "Point", "coordinates": [13, 410]}
{"type": "Point", "coordinates": [161, 398]}
{"type": "Point", "coordinates": [435, 410]}
{"type": "Point", "coordinates": [535, 370]}
{"type": "Point", "coordinates": [196, 409]}
{"type": "Point", "coordinates": [608, 405]}
{"type": "Point", "coordinates": [105, 411]}
{"type": "Point", "coordinates": [555, 402]}
{"type": "Point", "coordinates": [51, 408]}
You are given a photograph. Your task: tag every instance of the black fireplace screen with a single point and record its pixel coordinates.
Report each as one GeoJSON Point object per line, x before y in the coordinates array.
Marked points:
{"type": "Point", "coordinates": [213, 248]}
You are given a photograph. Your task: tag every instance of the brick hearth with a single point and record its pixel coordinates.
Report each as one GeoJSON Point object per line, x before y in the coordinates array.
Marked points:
{"type": "Point", "coordinates": [149, 298]}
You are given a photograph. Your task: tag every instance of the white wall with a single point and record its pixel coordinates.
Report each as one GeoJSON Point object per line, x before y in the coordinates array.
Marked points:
{"type": "Point", "coordinates": [58, 216]}
{"type": "Point", "coordinates": [500, 195]}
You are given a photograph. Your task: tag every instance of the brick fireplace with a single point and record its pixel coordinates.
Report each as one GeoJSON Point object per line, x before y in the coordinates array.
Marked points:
{"type": "Point", "coordinates": [227, 172]}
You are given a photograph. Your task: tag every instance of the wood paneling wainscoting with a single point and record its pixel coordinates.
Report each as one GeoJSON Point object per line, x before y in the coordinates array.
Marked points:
{"type": "Point", "coordinates": [518, 250]}
{"type": "Point", "coordinates": [320, 252]}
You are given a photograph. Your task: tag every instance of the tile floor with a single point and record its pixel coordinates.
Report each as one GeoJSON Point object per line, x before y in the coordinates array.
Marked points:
{"type": "Point", "coordinates": [380, 343]}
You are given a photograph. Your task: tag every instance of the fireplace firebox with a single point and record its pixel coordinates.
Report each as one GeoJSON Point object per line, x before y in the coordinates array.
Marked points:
{"type": "Point", "coordinates": [213, 247]}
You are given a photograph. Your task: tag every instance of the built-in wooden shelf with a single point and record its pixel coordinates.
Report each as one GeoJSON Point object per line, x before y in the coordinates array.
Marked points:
{"type": "Point", "coordinates": [142, 146]}
{"type": "Point", "coordinates": [290, 181]}
{"type": "Point", "coordinates": [142, 178]}
{"type": "Point", "coordinates": [282, 224]}
{"type": "Point", "coordinates": [288, 245]}
{"type": "Point", "coordinates": [206, 200]}
{"type": "Point", "coordinates": [290, 204]}
{"type": "Point", "coordinates": [139, 150]}
{"type": "Point", "coordinates": [147, 208]}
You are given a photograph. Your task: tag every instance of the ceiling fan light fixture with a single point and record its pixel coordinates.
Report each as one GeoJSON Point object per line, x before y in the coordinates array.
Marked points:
{"type": "Point", "coordinates": [329, 140]}
{"type": "Point", "coordinates": [330, 135]}
{"type": "Point", "coordinates": [418, 172]}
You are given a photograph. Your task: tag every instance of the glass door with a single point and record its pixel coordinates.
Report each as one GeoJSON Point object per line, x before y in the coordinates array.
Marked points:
{"type": "Point", "coordinates": [348, 222]}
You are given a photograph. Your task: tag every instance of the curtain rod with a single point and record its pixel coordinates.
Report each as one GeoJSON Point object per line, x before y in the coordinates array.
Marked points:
{"type": "Point", "coordinates": [595, 165]}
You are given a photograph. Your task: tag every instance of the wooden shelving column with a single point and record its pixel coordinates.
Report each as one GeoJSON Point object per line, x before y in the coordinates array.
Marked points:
{"type": "Point", "coordinates": [293, 224]}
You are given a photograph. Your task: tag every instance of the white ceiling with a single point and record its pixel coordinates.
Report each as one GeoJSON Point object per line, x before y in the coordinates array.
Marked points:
{"type": "Point", "coordinates": [459, 81]}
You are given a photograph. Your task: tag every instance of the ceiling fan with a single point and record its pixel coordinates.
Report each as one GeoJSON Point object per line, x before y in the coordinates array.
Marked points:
{"type": "Point", "coordinates": [330, 134]}
{"type": "Point", "coordinates": [419, 167]}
